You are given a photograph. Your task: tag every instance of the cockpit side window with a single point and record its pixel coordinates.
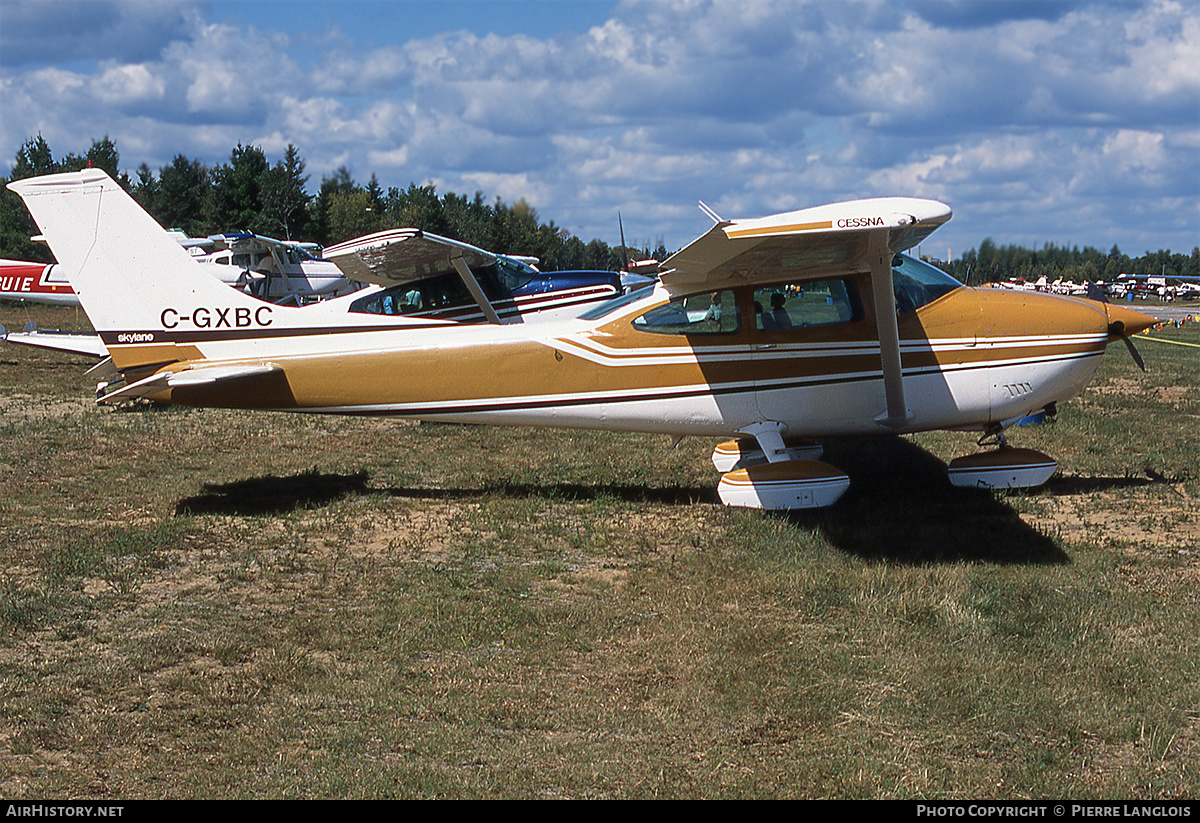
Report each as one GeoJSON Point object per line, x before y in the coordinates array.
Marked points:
{"type": "Point", "coordinates": [443, 291]}
{"type": "Point", "coordinates": [710, 313]}
{"type": "Point", "coordinates": [806, 304]}
{"type": "Point", "coordinates": [403, 299]}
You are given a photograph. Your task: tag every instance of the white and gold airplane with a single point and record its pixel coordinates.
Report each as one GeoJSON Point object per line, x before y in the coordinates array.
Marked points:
{"type": "Point", "coordinates": [770, 331]}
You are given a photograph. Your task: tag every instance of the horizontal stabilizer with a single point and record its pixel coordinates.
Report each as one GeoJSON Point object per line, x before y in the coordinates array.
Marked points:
{"type": "Point", "coordinates": [84, 343]}
{"type": "Point", "coordinates": [212, 374]}
{"type": "Point", "coordinates": [132, 391]}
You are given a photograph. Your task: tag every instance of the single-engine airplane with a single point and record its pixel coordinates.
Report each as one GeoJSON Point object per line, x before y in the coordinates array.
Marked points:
{"type": "Point", "coordinates": [279, 271]}
{"type": "Point", "coordinates": [799, 325]}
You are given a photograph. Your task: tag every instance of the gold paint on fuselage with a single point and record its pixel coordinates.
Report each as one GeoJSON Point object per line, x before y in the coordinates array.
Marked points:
{"type": "Point", "coordinates": [519, 374]}
{"type": "Point", "coordinates": [135, 356]}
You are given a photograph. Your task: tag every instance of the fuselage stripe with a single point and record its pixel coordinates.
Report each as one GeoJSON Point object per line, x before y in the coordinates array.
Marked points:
{"type": "Point", "coordinates": [492, 405]}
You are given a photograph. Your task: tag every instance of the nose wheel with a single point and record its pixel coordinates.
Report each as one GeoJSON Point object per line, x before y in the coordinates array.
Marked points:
{"type": "Point", "coordinates": [1002, 467]}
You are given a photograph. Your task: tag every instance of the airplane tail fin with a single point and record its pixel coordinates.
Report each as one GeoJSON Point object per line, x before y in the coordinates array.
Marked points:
{"type": "Point", "coordinates": [126, 269]}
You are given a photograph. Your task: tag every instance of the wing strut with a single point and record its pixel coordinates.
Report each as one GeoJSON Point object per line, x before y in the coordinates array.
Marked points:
{"type": "Point", "coordinates": [464, 271]}
{"type": "Point", "coordinates": [879, 256]}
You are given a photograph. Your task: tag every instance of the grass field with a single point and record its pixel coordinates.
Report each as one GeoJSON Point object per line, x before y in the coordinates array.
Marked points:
{"type": "Point", "coordinates": [224, 604]}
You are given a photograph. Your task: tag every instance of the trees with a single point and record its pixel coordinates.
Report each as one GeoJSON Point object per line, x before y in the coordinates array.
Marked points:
{"type": "Point", "coordinates": [284, 196]}
{"type": "Point", "coordinates": [34, 158]}
{"type": "Point", "coordinates": [249, 193]}
{"type": "Point", "coordinates": [179, 199]}
{"type": "Point", "coordinates": [234, 200]}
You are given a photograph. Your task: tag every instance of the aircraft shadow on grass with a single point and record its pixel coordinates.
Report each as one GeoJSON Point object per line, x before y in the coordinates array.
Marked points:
{"type": "Point", "coordinates": [269, 494]}
{"type": "Point", "coordinates": [900, 507]}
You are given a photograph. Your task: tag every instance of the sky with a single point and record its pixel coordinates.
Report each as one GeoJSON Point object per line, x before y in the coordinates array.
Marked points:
{"type": "Point", "coordinates": [1073, 122]}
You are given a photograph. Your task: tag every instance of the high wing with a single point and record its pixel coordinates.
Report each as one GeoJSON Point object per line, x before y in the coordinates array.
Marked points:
{"type": "Point", "coordinates": [238, 241]}
{"type": "Point", "coordinates": [395, 256]}
{"type": "Point", "coordinates": [388, 258]}
{"type": "Point", "coordinates": [860, 235]}
{"type": "Point", "coordinates": [807, 243]}
{"type": "Point", "coordinates": [203, 243]}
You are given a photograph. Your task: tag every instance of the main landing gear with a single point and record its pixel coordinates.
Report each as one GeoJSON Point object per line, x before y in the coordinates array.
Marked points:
{"type": "Point", "coordinates": [771, 472]}
{"type": "Point", "coordinates": [796, 479]}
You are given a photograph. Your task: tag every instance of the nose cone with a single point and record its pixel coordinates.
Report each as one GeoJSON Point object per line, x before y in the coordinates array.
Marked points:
{"type": "Point", "coordinates": [1123, 321]}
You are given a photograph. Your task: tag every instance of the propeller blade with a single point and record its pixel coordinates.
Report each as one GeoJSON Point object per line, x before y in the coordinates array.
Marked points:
{"type": "Point", "coordinates": [1117, 329]}
{"type": "Point", "coordinates": [1137, 357]}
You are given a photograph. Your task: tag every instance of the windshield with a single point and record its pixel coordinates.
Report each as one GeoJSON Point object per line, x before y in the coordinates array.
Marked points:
{"type": "Point", "coordinates": [610, 306]}
{"type": "Point", "coordinates": [513, 273]}
{"type": "Point", "coordinates": [917, 283]}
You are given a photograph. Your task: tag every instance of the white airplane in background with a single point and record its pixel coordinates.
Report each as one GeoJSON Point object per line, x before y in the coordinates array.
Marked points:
{"type": "Point", "coordinates": [276, 270]}
{"type": "Point", "coordinates": [860, 340]}
{"type": "Point", "coordinates": [1164, 286]}
{"type": "Point", "coordinates": [399, 272]}
{"type": "Point", "coordinates": [279, 271]}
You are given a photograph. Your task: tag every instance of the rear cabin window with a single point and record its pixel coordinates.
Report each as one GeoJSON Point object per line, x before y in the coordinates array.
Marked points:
{"type": "Point", "coordinates": [711, 313]}
{"type": "Point", "coordinates": [806, 305]}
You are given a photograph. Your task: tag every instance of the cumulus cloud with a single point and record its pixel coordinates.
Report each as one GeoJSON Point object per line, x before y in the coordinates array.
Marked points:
{"type": "Point", "coordinates": [1015, 113]}
{"type": "Point", "coordinates": [35, 32]}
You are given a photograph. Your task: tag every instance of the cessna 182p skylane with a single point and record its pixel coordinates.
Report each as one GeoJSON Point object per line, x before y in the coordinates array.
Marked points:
{"type": "Point", "coordinates": [803, 324]}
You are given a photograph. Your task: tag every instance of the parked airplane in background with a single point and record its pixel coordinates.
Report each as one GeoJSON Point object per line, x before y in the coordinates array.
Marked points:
{"type": "Point", "coordinates": [419, 275]}
{"type": "Point", "coordinates": [279, 271]}
{"type": "Point", "coordinates": [400, 272]}
{"type": "Point", "coordinates": [276, 270]}
{"type": "Point", "coordinates": [1164, 286]}
{"type": "Point", "coordinates": [798, 325]}
{"type": "Point", "coordinates": [37, 282]}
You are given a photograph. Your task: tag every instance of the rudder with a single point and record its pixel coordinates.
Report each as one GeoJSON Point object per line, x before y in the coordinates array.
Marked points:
{"type": "Point", "coordinates": [123, 265]}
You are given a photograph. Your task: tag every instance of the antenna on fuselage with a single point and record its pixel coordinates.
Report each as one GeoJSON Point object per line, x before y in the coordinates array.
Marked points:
{"type": "Point", "coordinates": [710, 212]}
{"type": "Point", "coordinates": [624, 251]}
{"type": "Point", "coordinates": [635, 273]}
